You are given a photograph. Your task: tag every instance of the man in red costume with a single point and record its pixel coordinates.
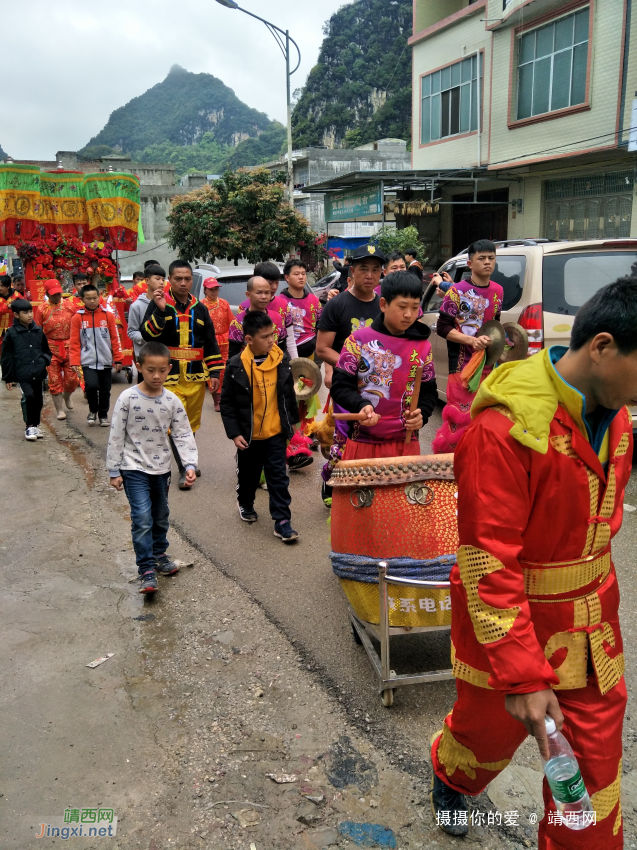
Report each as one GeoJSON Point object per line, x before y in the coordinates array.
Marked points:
{"type": "Point", "coordinates": [534, 595]}
{"type": "Point", "coordinates": [7, 295]}
{"type": "Point", "coordinates": [54, 317]}
{"type": "Point", "coordinates": [221, 316]}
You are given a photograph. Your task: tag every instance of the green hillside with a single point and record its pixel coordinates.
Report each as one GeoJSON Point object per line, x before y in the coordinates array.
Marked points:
{"type": "Point", "coordinates": [180, 110]}
{"type": "Point", "coordinates": [360, 88]}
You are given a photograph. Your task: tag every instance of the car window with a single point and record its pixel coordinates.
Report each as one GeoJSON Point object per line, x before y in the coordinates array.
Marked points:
{"type": "Point", "coordinates": [509, 273]}
{"type": "Point", "coordinates": [197, 280]}
{"type": "Point", "coordinates": [569, 280]}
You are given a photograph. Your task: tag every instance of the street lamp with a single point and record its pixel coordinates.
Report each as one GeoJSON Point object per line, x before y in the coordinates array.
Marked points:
{"type": "Point", "coordinates": [284, 46]}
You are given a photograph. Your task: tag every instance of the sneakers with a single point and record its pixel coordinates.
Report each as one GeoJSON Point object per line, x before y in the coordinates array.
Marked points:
{"type": "Point", "coordinates": [31, 434]}
{"type": "Point", "coordinates": [104, 423]}
{"type": "Point", "coordinates": [91, 419]}
{"type": "Point", "coordinates": [299, 461]}
{"type": "Point", "coordinates": [166, 567]}
{"type": "Point", "coordinates": [149, 582]}
{"type": "Point", "coordinates": [285, 531]}
{"type": "Point", "coordinates": [248, 514]}
{"type": "Point", "coordinates": [39, 434]}
{"type": "Point", "coordinates": [449, 807]}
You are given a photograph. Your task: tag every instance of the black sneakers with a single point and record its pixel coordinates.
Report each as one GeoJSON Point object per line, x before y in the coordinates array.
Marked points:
{"type": "Point", "coordinates": [248, 514]}
{"type": "Point", "coordinates": [91, 419]}
{"type": "Point", "coordinates": [149, 582]}
{"type": "Point", "coordinates": [299, 461]}
{"type": "Point", "coordinates": [166, 567]}
{"type": "Point", "coordinates": [449, 807]}
{"type": "Point", "coordinates": [285, 532]}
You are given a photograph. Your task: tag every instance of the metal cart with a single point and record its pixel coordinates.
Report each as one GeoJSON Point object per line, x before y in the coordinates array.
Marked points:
{"type": "Point", "coordinates": [389, 679]}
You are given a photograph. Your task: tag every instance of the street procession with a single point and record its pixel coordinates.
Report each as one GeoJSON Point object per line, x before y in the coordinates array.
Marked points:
{"type": "Point", "coordinates": [320, 488]}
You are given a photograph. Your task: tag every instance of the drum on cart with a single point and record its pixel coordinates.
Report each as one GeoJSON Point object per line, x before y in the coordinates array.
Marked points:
{"type": "Point", "coordinates": [394, 542]}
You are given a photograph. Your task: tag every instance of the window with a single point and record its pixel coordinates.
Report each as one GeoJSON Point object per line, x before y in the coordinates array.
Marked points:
{"type": "Point", "coordinates": [569, 280]}
{"type": "Point", "coordinates": [552, 64]}
{"type": "Point", "coordinates": [450, 100]}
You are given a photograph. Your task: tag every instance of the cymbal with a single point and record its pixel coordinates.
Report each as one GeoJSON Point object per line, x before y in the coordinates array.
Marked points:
{"type": "Point", "coordinates": [303, 367]}
{"type": "Point", "coordinates": [519, 338]}
{"type": "Point", "coordinates": [495, 332]}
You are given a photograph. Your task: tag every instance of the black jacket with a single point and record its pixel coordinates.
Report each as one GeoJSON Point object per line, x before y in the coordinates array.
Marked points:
{"type": "Point", "coordinates": [345, 386]}
{"type": "Point", "coordinates": [25, 354]}
{"type": "Point", "coordinates": [236, 400]}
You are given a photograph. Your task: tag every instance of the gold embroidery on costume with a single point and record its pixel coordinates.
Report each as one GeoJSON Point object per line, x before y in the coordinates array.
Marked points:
{"type": "Point", "coordinates": [622, 445]}
{"type": "Point", "coordinates": [572, 671]}
{"type": "Point", "coordinates": [605, 800]}
{"type": "Point", "coordinates": [549, 581]}
{"type": "Point", "coordinates": [562, 443]}
{"type": "Point", "coordinates": [609, 670]}
{"type": "Point", "coordinates": [490, 624]}
{"type": "Point", "coordinates": [467, 673]}
{"type": "Point", "coordinates": [593, 489]}
{"type": "Point", "coordinates": [453, 755]}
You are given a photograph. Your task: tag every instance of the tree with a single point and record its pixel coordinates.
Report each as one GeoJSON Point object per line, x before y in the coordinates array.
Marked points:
{"type": "Point", "coordinates": [243, 214]}
{"type": "Point", "coordinates": [390, 239]}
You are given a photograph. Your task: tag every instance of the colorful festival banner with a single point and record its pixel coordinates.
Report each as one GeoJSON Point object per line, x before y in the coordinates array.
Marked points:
{"type": "Point", "coordinates": [97, 206]}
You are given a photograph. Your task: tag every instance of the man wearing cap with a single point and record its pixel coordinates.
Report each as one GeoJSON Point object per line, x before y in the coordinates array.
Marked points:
{"type": "Point", "coordinates": [348, 312]}
{"type": "Point", "coordinates": [54, 317]}
{"type": "Point", "coordinates": [221, 316]}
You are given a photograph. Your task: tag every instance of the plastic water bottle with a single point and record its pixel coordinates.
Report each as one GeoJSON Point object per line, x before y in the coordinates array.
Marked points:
{"type": "Point", "coordinates": [565, 780]}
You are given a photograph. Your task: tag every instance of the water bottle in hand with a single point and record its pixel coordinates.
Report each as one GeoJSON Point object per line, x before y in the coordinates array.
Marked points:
{"type": "Point", "coordinates": [565, 780]}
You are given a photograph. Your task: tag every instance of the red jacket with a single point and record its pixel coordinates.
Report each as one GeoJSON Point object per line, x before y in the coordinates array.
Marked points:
{"type": "Point", "coordinates": [94, 339]}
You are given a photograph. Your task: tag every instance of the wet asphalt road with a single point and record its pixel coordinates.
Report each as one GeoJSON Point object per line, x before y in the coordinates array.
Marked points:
{"type": "Point", "coordinates": [296, 588]}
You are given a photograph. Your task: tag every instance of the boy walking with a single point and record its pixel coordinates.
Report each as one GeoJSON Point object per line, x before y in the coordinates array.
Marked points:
{"type": "Point", "coordinates": [139, 457]}
{"type": "Point", "coordinates": [154, 277]}
{"type": "Point", "coordinates": [260, 414]}
{"type": "Point", "coordinates": [24, 360]}
{"type": "Point", "coordinates": [95, 347]}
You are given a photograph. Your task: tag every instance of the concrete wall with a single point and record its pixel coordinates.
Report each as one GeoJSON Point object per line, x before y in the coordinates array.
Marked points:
{"type": "Point", "coordinates": [430, 12]}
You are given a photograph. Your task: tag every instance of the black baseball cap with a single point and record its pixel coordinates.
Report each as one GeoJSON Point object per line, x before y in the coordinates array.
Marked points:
{"type": "Point", "coordinates": [367, 252]}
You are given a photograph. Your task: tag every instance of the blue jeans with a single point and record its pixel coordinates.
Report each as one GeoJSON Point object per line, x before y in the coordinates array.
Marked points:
{"type": "Point", "coordinates": [148, 499]}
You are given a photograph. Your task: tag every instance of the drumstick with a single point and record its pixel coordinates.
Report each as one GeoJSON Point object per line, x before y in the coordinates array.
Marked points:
{"type": "Point", "coordinates": [414, 400]}
{"type": "Point", "coordinates": [351, 417]}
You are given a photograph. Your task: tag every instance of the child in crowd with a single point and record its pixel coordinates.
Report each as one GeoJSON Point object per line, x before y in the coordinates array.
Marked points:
{"type": "Point", "coordinates": [139, 285]}
{"type": "Point", "coordinates": [375, 375]}
{"type": "Point", "coordinates": [260, 299]}
{"type": "Point", "coordinates": [154, 277]}
{"type": "Point", "coordinates": [25, 357]}
{"type": "Point", "coordinates": [95, 348]}
{"type": "Point", "coordinates": [260, 414]}
{"type": "Point", "coordinates": [139, 457]}
{"type": "Point", "coordinates": [304, 306]}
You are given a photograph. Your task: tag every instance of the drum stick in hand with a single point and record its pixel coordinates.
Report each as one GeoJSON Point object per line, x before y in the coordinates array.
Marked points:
{"type": "Point", "coordinates": [350, 417]}
{"type": "Point", "coordinates": [414, 401]}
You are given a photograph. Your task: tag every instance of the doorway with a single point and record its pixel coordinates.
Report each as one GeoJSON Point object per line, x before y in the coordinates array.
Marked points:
{"type": "Point", "coordinates": [486, 221]}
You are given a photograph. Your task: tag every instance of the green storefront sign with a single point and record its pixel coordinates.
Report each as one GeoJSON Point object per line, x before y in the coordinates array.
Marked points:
{"type": "Point", "coordinates": [354, 203]}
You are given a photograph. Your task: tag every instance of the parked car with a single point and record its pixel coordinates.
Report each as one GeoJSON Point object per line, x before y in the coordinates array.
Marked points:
{"type": "Point", "coordinates": [233, 282]}
{"type": "Point", "coordinates": [545, 283]}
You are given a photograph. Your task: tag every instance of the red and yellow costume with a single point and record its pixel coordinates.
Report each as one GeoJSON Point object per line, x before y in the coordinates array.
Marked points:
{"type": "Point", "coordinates": [6, 313]}
{"type": "Point", "coordinates": [55, 321]}
{"type": "Point", "coordinates": [135, 291]}
{"type": "Point", "coordinates": [221, 316]}
{"type": "Point", "coordinates": [534, 594]}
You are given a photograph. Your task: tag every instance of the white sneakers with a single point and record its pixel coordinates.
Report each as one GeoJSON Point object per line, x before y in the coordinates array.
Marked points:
{"type": "Point", "coordinates": [31, 434]}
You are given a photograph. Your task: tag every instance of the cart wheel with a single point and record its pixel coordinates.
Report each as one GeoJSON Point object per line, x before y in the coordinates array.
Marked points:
{"type": "Point", "coordinates": [356, 637]}
{"type": "Point", "coordinates": [388, 697]}
{"type": "Point", "coordinates": [129, 376]}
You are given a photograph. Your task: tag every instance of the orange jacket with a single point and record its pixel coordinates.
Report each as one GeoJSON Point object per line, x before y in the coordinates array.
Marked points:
{"type": "Point", "coordinates": [94, 339]}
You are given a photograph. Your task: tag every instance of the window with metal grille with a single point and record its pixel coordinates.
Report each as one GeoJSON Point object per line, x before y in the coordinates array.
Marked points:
{"type": "Point", "coordinates": [449, 100]}
{"type": "Point", "coordinates": [552, 62]}
{"type": "Point", "coordinates": [598, 206]}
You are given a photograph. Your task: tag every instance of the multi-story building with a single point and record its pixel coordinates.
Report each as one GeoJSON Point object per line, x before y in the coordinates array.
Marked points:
{"type": "Point", "coordinates": [537, 97]}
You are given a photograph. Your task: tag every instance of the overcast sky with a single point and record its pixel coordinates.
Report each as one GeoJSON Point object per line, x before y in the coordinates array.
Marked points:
{"type": "Point", "coordinates": [75, 62]}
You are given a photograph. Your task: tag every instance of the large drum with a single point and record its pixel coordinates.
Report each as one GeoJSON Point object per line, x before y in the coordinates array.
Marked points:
{"type": "Point", "coordinates": [401, 510]}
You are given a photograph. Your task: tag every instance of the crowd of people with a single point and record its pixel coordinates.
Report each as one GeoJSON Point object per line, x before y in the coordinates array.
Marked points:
{"type": "Point", "coordinates": [534, 595]}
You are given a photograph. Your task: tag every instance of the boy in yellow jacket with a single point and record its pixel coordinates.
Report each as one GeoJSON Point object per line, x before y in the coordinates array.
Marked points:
{"type": "Point", "coordinates": [260, 414]}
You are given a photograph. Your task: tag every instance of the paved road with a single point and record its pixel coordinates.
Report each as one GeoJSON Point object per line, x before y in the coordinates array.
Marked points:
{"type": "Point", "coordinates": [296, 588]}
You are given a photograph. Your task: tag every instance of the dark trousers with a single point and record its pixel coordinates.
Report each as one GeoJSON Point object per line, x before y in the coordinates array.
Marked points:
{"type": "Point", "coordinates": [267, 455]}
{"type": "Point", "coordinates": [32, 402]}
{"type": "Point", "coordinates": [97, 383]}
{"type": "Point", "coordinates": [148, 499]}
